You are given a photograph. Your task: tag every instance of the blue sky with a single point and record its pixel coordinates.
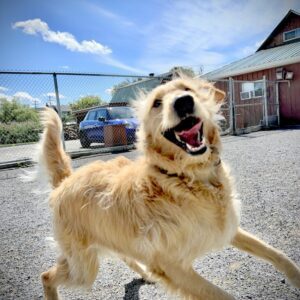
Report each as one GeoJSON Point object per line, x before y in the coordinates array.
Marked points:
{"type": "Point", "coordinates": [132, 37]}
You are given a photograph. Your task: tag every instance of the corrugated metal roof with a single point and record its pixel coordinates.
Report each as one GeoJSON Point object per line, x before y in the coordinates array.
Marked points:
{"type": "Point", "coordinates": [261, 60]}
{"type": "Point", "coordinates": [130, 91]}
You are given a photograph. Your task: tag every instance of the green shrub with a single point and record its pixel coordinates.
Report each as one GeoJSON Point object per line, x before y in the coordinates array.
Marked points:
{"type": "Point", "coordinates": [13, 111]}
{"type": "Point", "coordinates": [19, 132]}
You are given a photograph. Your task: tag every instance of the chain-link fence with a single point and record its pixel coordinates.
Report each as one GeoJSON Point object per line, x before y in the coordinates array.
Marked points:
{"type": "Point", "coordinates": [102, 127]}
{"type": "Point", "coordinates": [96, 110]}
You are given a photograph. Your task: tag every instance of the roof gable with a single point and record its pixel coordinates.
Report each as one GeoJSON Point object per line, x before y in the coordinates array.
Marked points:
{"type": "Point", "coordinates": [289, 22]}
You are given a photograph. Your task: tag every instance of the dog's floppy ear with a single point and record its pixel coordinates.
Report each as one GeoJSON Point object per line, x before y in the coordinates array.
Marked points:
{"type": "Point", "coordinates": [212, 92]}
{"type": "Point", "coordinates": [219, 95]}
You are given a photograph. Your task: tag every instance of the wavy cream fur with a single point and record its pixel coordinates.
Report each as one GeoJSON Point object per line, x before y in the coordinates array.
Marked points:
{"type": "Point", "coordinates": [159, 212]}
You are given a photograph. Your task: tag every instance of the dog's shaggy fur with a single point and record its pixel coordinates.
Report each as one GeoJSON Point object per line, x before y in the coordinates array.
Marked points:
{"type": "Point", "coordinates": [158, 213]}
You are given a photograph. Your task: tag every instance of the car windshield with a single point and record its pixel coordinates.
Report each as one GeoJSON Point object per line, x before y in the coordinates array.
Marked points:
{"type": "Point", "coordinates": [121, 112]}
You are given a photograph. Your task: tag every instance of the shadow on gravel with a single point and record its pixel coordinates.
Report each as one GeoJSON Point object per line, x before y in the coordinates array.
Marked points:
{"type": "Point", "coordinates": [132, 289]}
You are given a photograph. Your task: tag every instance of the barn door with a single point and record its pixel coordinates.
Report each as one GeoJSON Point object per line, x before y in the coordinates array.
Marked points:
{"type": "Point", "coordinates": [285, 103]}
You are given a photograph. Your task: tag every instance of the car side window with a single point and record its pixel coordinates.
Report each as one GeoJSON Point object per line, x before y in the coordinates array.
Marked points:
{"type": "Point", "coordinates": [92, 115]}
{"type": "Point", "coordinates": [101, 114]}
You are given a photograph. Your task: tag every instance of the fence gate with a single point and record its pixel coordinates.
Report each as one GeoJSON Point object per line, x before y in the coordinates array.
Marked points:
{"type": "Point", "coordinates": [249, 105]}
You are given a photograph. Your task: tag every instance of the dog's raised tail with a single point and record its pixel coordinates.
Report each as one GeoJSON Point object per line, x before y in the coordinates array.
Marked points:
{"type": "Point", "coordinates": [51, 153]}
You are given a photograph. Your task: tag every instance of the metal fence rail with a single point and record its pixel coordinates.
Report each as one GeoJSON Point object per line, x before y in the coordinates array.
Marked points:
{"type": "Point", "coordinates": [108, 127]}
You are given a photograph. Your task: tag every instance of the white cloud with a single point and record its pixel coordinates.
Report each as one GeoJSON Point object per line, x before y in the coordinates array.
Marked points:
{"type": "Point", "coordinates": [65, 67]}
{"type": "Point", "coordinates": [116, 63]}
{"type": "Point", "coordinates": [53, 95]}
{"type": "Point", "coordinates": [109, 91]}
{"type": "Point", "coordinates": [109, 14]}
{"type": "Point", "coordinates": [3, 89]}
{"type": "Point", "coordinates": [66, 39]}
{"type": "Point", "coordinates": [209, 33]}
{"type": "Point", "coordinates": [26, 97]}
{"type": "Point", "coordinates": [4, 96]}
{"type": "Point", "coordinates": [250, 49]}
{"type": "Point", "coordinates": [21, 96]}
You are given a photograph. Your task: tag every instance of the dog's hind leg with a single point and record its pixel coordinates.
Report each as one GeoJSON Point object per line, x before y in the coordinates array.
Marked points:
{"type": "Point", "coordinates": [189, 283]}
{"type": "Point", "coordinates": [132, 264]}
{"type": "Point", "coordinates": [79, 270]}
{"type": "Point", "coordinates": [249, 243]}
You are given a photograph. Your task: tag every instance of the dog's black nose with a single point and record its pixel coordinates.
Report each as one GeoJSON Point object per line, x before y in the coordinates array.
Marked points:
{"type": "Point", "coordinates": [184, 105]}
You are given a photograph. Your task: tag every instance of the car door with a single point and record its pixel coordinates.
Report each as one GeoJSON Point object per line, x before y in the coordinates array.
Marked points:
{"type": "Point", "coordinates": [97, 131]}
{"type": "Point", "coordinates": [88, 124]}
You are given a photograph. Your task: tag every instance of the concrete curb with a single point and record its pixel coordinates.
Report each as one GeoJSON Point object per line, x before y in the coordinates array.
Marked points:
{"type": "Point", "coordinates": [26, 162]}
{"type": "Point", "coordinates": [16, 163]}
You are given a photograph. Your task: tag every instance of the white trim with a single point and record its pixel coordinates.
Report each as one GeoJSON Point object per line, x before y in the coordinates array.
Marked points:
{"type": "Point", "coordinates": [296, 37]}
{"type": "Point", "coordinates": [252, 92]}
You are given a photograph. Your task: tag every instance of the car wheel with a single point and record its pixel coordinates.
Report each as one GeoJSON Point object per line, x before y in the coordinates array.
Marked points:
{"type": "Point", "coordinates": [67, 137]}
{"type": "Point", "coordinates": [85, 143]}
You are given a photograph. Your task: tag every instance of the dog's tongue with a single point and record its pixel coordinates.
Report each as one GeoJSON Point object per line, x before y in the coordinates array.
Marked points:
{"type": "Point", "coordinates": [191, 136]}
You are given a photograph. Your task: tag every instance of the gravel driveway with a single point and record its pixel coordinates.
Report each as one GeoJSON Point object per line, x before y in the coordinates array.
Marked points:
{"type": "Point", "coordinates": [266, 166]}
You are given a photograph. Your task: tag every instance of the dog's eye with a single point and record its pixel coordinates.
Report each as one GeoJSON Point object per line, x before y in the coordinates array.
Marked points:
{"type": "Point", "coordinates": [157, 103]}
{"type": "Point", "coordinates": [187, 89]}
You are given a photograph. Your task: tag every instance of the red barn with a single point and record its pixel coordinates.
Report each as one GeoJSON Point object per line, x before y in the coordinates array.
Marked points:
{"type": "Point", "coordinates": [277, 61]}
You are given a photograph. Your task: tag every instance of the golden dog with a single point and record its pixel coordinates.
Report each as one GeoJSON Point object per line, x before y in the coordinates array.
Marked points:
{"type": "Point", "coordinates": [158, 213]}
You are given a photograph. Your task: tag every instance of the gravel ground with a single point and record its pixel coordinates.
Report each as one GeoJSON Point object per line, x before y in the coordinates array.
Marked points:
{"type": "Point", "coordinates": [266, 166]}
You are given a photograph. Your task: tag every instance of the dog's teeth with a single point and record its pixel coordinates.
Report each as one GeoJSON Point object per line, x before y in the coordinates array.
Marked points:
{"type": "Point", "coordinates": [195, 149]}
{"type": "Point", "coordinates": [200, 136]}
{"type": "Point", "coordinates": [177, 137]}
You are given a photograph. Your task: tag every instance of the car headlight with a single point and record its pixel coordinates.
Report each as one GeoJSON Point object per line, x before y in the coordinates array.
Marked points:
{"type": "Point", "coordinates": [129, 125]}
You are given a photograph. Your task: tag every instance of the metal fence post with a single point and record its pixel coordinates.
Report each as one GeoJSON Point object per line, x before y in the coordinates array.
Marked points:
{"type": "Point", "coordinates": [58, 108]}
{"type": "Point", "coordinates": [265, 102]}
{"type": "Point", "coordinates": [231, 106]}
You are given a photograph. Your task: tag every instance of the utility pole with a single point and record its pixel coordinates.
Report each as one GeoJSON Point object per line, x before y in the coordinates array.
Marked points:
{"type": "Point", "coordinates": [50, 100]}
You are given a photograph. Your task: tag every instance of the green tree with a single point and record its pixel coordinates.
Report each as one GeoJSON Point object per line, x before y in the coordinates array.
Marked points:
{"type": "Point", "coordinates": [13, 111]}
{"type": "Point", "coordinates": [86, 102]}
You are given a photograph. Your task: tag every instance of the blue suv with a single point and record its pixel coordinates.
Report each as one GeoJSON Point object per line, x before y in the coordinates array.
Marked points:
{"type": "Point", "coordinates": [91, 129]}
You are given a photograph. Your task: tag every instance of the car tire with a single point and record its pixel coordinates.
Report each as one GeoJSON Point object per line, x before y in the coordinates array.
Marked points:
{"type": "Point", "coordinates": [85, 143]}
{"type": "Point", "coordinates": [67, 137]}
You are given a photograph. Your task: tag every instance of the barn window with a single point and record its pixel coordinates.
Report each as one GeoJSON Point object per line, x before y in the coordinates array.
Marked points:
{"type": "Point", "coordinates": [258, 89]}
{"type": "Point", "coordinates": [291, 35]}
{"type": "Point", "coordinates": [252, 89]}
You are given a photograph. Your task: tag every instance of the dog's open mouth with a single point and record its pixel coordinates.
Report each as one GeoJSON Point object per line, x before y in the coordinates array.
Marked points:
{"type": "Point", "coordinates": [188, 135]}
